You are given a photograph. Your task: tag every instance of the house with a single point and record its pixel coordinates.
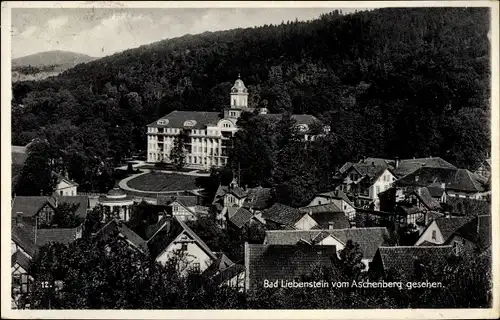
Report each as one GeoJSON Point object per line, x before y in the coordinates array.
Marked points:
{"type": "Point", "coordinates": [209, 132]}
{"type": "Point", "coordinates": [21, 281]}
{"type": "Point", "coordinates": [339, 198]}
{"type": "Point", "coordinates": [280, 216]}
{"type": "Point", "coordinates": [185, 207]}
{"type": "Point", "coordinates": [116, 229]}
{"type": "Point", "coordinates": [484, 169]}
{"type": "Point", "coordinates": [466, 184]}
{"type": "Point", "coordinates": [225, 272]}
{"type": "Point", "coordinates": [272, 263]}
{"type": "Point", "coordinates": [404, 262]}
{"type": "Point", "coordinates": [369, 239]}
{"type": "Point", "coordinates": [64, 186]}
{"type": "Point", "coordinates": [474, 237]}
{"type": "Point", "coordinates": [328, 216]}
{"type": "Point", "coordinates": [439, 230]}
{"type": "Point", "coordinates": [403, 167]}
{"type": "Point", "coordinates": [240, 217]}
{"type": "Point", "coordinates": [173, 239]}
{"type": "Point", "coordinates": [364, 181]}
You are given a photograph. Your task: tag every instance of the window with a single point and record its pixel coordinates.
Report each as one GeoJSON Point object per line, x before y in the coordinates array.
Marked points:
{"type": "Point", "coordinates": [61, 193]}
{"type": "Point", "coordinates": [319, 201]}
{"type": "Point", "coordinates": [457, 247]}
{"type": "Point", "coordinates": [175, 208]}
{"type": "Point", "coordinates": [433, 234]}
{"type": "Point", "coordinates": [196, 267]}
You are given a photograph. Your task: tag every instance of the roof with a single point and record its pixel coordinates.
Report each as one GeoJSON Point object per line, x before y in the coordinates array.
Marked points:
{"type": "Point", "coordinates": [325, 207]}
{"type": "Point", "coordinates": [241, 217]}
{"type": "Point", "coordinates": [60, 178]}
{"type": "Point", "coordinates": [284, 262]}
{"type": "Point", "coordinates": [177, 118]}
{"type": "Point", "coordinates": [464, 206]}
{"type": "Point", "coordinates": [478, 230]}
{"type": "Point", "coordinates": [372, 171]}
{"type": "Point", "coordinates": [21, 259]}
{"type": "Point", "coordinates": [283, 214]}
{"type": "Point", "coordinates": [402, 259]}
{"type": "Point", "coordinates": [337, 194]}
{"type": "Point", "coordinates": [117, 226]}
{"type": "Point", "coordinates": [408, 209]}
{"type": "Point", "coordinates": [431, 216]}
{"type": "Point", "coordinates": [237, 192]}
{"type": "Point", "coordinates": [24, 238]}
{"type": "Point", "coordinates": [83, 203]}
{"type": "Point", "coordinates": [345, 167]}
{"type": "Point", "coordinates": [258, 198]}
{"type": "Point", "coordinates": [427, 244]}
{"type": "Point", "coordinates": [425, 197]}
{"type": "Point", "coordinates": [435, 191]}
{"type": "Point", "coordinates": [467, 181]}
{"type": "Point", "coordinates": [28, 205]}
{"type": "Point", "coordinates": [167, 229]}
{"type": "Point", "coordinates": [222, 262]}
{"type": "Point", "coordinates": [448, 225]}
{"type": "Point", "coordinates": [369, 239]}
{"type": "Point", "coordinates": [407, 166]}
{"type": "Point", "coordinates": [59, 235]}
{"type": "Point", "coordinates": [336, 220]}
{"type": "Point", "coordinates": [221, 191]}
{"type": "Point", "coordinates": [187, 201]}
{"type": "Point", "coordinates": [425, 176]}
{"type": "Point", "coordinates": [299, 118]}
{"type": "Point", "coordinates": [228, 273]}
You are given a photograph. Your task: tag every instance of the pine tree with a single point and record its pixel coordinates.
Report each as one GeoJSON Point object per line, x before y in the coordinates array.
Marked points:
{"type": "Point", "coordinates": [178, 153]}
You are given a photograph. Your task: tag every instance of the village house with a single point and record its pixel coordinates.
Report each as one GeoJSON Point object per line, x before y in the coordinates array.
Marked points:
{"type": "Point", "coordinates": [283, 262]}
{"type": "Point", "coordinates": [328, 216]}
{"type": "Point", "coordinates": [64, 186]}
{"type": "Point", "coordinates": [209, 133]}
{"type": "Point", "coordinates": [186, 207]}
{"type": "Point", "coordinates": [405, 262]}
{"type": "Point", "coordinates": [171, 238]}
{"type": "Point", "coordinates": [484, 169]}
{"type": "Point", "coordinates": [369, 239]}
{"type": "Point", "coordinates": [364, 181]}
{"type": "Point", "coordinates": [116, 230]}
{"type": "Point", "coordinates": [439, 230]}
{"type": "Point", "coordinates": [280, 216]}
{"type": "Point", "coordinates": [337, 197]}
{"type": "Point", "coordinates": [474, 237]}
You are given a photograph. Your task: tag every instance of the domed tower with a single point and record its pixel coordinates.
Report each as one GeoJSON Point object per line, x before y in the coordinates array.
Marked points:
{"type": "Point", "coordinates": [239, 95]}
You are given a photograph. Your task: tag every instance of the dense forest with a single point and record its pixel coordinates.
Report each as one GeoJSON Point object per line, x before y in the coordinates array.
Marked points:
{"type": "Point", "coordinates": [390, 82]}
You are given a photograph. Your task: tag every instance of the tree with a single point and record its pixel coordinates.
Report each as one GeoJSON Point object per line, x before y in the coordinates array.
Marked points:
{"type": "Point", "coordinates": [65, 216]}
{"type": "Point", "coordinates": [178, 153]}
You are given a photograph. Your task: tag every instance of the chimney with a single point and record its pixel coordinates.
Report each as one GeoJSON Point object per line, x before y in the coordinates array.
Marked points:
{"type": "Point", "coordinates": [478, 222]}
{"type": "Point", "coordinates": [426, 218]}
{"type": "Point", "coordinates": [397, 163]}
{"type": "Point", "coordinates": [246, 187]}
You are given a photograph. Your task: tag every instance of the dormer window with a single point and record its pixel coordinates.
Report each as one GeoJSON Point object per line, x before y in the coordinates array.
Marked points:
{"type": "Point", "coordinates": [162, 122]}
{"type": "Point", "coordinates": [189, 123]}
{"type": "Point", "coordinates": [226, 125]}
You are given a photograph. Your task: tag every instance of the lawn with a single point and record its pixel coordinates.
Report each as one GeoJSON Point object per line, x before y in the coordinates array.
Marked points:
{"type": "Point", "coordinates": [158, 181]}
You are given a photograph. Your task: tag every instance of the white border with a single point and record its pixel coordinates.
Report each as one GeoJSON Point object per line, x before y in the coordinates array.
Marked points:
{"type": "Point", "coordinates": [247, 314]}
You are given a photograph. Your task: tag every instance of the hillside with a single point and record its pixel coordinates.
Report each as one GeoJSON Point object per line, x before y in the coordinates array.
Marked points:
{"type": "Point", "coordinates": [391, 82]}
{"type": "Point", "coordinates": [45, 64]}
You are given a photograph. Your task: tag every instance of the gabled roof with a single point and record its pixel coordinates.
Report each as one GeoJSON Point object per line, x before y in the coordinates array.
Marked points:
{"type": "Point", "coordinates": [477, 230]}
{"type": "Point", "coordinates": [425, 176]}
{"type": "Point", "coordinates": [60, 177]}
{"type": "Point", "coordinates": [369, 239]}
{"type": "Point", "coordinates": [59, 235]}
{"type": "Point", "coordinates": [21, 259]}
{"type": "Point", "coordinates": [402, 259]}
{"type": "Point", "coordinates": [241, 217]}
{"type": "Point", "coordinates": [326, 207]}
{"type": "Point", "coordinates": [83, 203]}
{"type": "Point", "coordinates": [238, 192]}
{"type": "Point", "coordinates": [284, 262]}
{"type": "Point", "coordinates": [369, 170]}
{"type": "Point", "coordinates": [28, 206]}
{"type": "Point", "coordinates": [24, 239]}
{"type": "Point", "coordinates": [448, 225]}
{"type": "Point", "coordinates": [170, 228]}
{"type": "Point", "coordinates": [335, 220]}
{"type": "Point", "coordinates": [467, 181]}
{"type": "Point", "coordinates": [115, 226]}
{"type": "Point", "coordinates": [407, 166]}
{"type": "Point", "coordinates": [258, 198]}
{"type": "Point", "coordinates": [283, 214]}
{"type": "Point", "coordinates": [337, 194]}
{"type": "Point", "coordinates": [221, 191]}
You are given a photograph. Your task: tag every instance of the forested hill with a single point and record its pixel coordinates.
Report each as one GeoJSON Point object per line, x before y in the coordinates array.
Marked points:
{"type": "Point", "coordinates": [391, 82]}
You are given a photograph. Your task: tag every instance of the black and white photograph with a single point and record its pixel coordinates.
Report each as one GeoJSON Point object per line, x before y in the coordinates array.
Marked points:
{"type": "Point", "coordinates": [250, 157]}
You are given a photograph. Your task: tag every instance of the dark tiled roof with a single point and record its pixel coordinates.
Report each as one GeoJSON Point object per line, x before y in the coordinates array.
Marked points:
{"type": "Point", "coordinates": [407, 166]}
{"type": "Point", "coordinates": [478, 230]}
{"type": "Point", "coordinates": [258, 198]}
{"type": "Point", "coordinates": [447, 226]}
{"type": "Point", "coordinates": [379, 162]}
{"type": "Point", "coordinates": [82, 202]}
{"type": "Point", "coordinates": [337, 220]}
{"type": "Point", "coordinates": [372, 171]}
{"type": "Point", "coordinates": [21, 259]}
{"type": "Point", "coordinates": [337, 194]}
{"type": "Point", "coordinates": [425, 196]}
{"type": "Point", "coordinates": [115, 226]}
{"type": "Point", "coordinates": [27, 205]}
{"type": "Point", "coordinates": [425, 176]}
{"type": "Point", "coordinates": [467, 181]}
{"type": "Point", "coordinates": [345, 167]}
{"type": "Point", "coordinates": [283, 262]}
{"type": "Point", "coordinates": [176, 119]}
{"type": "Point", "coordinates": [427, 244]}
{"type": "Point", "coordinates": [24, 238]}
{"type": "Point", "coordinates": [283, 214]}
{"type": "Point", "coordinates": [327, 207]}
{"type": "Point", "coordinates": [369, 239]}
{"type": "Point", "coordinates": [241, 217]}
{"type": "Point", "coordinates": [238, 192]}
{"type": "Point", "coordinates": [299, 118]}
{"type": "Point", "coordinates": [402, 259]}
{"type": "Point", "coordinates": [435, 191]}
{"type": "Point", "coordinates": [59, 235]}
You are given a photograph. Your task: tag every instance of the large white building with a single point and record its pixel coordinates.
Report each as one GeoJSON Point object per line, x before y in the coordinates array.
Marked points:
{"type": "Point", "coordinates": [210, 134]}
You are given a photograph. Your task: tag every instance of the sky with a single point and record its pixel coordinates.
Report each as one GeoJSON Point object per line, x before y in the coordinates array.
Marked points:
{"type": "Point", "coordinates": [100, 32]}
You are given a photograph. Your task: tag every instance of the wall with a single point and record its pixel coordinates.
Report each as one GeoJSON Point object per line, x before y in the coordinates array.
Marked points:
{"type": "Point", "coordinates": [65, 189]}
{"type": "Point", "coordinates": [194, 253]}
{"type": "Point", "coordinates": [230, 200]}
{"type": "Point", "coordinates": [427, 235]}
{"type": "Point", "coordinates": [181, 212]}
{"type": "Point", "coordinates": [305, 223]}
